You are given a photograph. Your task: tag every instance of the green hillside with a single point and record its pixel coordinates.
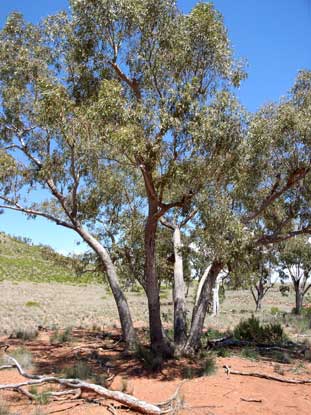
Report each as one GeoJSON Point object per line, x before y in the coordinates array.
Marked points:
{"type": "Point", "coordinates": [20, 260]}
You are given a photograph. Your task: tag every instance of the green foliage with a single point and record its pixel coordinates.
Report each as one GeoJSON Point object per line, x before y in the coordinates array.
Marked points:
{"type": "Point", "coordinates": [274, 310]}
{"type": "Point", "coordinates": [250, 353]}
{"type": "Point", "coordinates": [80, 370]}
{"type": "Point", "coordinates": [206, 367]}
{"type": "Point", "coordinates": [20, 260]}
{"type": "Point", "coordinates": [41, 398]}
{"type": "Point", "coordinates": [32, 304]}
{"type": "Point", "coordinates": [61, 336]}
{"type": "Point", "coordinates": [251, 330]}
{"type": "Point", "coordinates": [24, 357]}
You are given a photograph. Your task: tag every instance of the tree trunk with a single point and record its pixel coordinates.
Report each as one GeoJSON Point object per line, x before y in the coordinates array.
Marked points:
{"type": "Point", "coordinates": [157, 338]}
{"type": "Point", "coordinates": [215, 291]}
{"type": "Point", "coordinates": [128, 331]}
{"type": "Point", "coordinates": [298, 299]}
{"type": "Point", "coordinates": [258, 303]}
{"type": "Point", "coordinates": [199, 311]}
{"type": "Point", "coordinates": [180, 327]}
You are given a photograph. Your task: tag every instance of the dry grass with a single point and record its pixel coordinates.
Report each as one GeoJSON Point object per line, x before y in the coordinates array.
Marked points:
{"type": "Point", "coordinates": [63, 305]}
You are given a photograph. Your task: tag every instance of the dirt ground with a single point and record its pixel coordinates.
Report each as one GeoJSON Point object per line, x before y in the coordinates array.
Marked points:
{"type": "Point", "coordinates": [217, 394]}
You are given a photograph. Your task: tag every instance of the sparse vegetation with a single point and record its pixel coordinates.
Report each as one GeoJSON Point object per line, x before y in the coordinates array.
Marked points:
{"type": "Point", "coordinates": [24, 334]}
{"type": "Point", "coordinates": [61, 336]}
{"type": "Point", "coordinates": [252, 330]}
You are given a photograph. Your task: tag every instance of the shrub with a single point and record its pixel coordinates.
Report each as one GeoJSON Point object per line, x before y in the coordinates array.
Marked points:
{"type": "Point", "coordinates": [42, 398]}
{"type": "Point", "coordinates": [24, 334]}
{"type": "Point", "coordinates": [81, 370]}
{"type": "Point", "coordinates": [59, 337]}
{"type": "Point", "coordinates": [206, 368]}
{"type": "Point", "coordinates": [23, 357]}
{"type": "Point", "coordinates": [32, 304]}
{"type": "Point", "coordinates": [274, 310]}
{"type": "Point", "coordinates": [249, 353]}
{"type": "Point", "coordinates": [251, 330]}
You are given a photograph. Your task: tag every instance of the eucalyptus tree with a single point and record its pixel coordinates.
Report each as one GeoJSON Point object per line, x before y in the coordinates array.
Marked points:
{"type": "Point", "coordinates": [295, 265]}
{"type": "Point", "coordinates": [268, 201]}
{"type": "Point", "coordinates": [47, 136]}
{"type": "Point", "coordinates": [170, 66]}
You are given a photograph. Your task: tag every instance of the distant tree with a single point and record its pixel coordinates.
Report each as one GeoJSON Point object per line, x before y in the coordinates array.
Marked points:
{"type": "Point", "coordinates": [295, 263]}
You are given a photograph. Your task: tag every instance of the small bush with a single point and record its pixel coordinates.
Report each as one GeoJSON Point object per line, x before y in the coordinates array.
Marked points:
{"type": "Point", "coordinates": [252, 330]}
{"type": "Point", "coordinates": [274, 311]}
{"type": "Point", "coordinates": [223, 352]}
{"type": "Point", "coordinates": [60, 337]}
{"type": "Point", "coordinates": [32, 304]}
{"type": "Point", "coordinates": [25, 335]}
{"type": "Point", "coordinates": [81, 370]}
{"type": "Point", "coordinates": [23, 357]}
{"type": "Point", "coordinates": [206, 368]}
{"type": "Point", "coordinates": [41, 398]}
{"type": "Point", "coordinates": [249, 353]}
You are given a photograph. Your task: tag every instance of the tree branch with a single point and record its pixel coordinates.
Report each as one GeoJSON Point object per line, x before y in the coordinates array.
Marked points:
{"type": "Point", "coordinates": [292, 180]}
{"type": "Point", "coordinates": [33, 212]}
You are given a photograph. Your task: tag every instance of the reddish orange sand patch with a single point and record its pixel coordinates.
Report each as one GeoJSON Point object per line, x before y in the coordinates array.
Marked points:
{"type": "Point", "coordinates": [218, 394]}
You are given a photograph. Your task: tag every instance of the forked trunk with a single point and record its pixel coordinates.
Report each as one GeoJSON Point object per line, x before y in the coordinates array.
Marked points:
{"type": "Point", "coordinates": [128, 331]}
{"type": "Point", "coordinates": [180, 327]}
{"type": "Point", "coordinates": [157, 338]}
{"type": "Point", "coordinates": [199, 311]}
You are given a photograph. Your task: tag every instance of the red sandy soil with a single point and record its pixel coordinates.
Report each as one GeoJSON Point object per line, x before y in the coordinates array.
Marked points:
{"type": "Point", "coordinates": [217, 394]}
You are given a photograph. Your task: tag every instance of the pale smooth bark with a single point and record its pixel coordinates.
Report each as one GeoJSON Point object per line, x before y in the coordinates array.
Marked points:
{"type": "Point", "coordinates": [200, 309]}
{"type": "Point", "coordinates": [215, 290]}
{"type": "Point", "coordinates": [180, 325]}
{"type": "Point", "coordinates": [128, 330]}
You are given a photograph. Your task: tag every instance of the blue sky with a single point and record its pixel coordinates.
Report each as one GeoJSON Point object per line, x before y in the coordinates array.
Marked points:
{"type": "Point", "coordinates": [274, 36]}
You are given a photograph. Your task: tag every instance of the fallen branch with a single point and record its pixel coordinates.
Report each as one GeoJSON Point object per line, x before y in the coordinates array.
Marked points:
{"type": "Point", "coordinates": [290, 347]}
{"type": "Point", "coordinates": [251, 400]}
{"type": "Point", "coordinates": [229, 371]}
{"type": "Point", "coordinates": [123, 398]}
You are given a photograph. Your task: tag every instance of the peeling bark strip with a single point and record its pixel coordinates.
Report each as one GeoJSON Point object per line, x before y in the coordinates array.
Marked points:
{"type": "Point", "coordinates": [123, 398]}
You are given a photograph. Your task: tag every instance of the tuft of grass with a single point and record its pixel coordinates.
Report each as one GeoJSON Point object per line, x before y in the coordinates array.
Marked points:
{"type": "Point", "coordinates": [206, 367]}
{"type": "Point", "coordinates": [81, 370]}
{"type": "Point", "coordinates": [32, 304]}
{"type": "Point", "coordinates": [274, 310]}
{"type": "Point", "coordinates": [223, 352]}
{"type": "Point", "coordinates": [41, 398]}
{"type": "Point", "coordinates": [60, 337]}
{"type": "Point", "coordinates": [24, 357]}
{"type": "Point", "coordinates": [249, 353]}
{"type": "Point", "coordinates": [24, 334]}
